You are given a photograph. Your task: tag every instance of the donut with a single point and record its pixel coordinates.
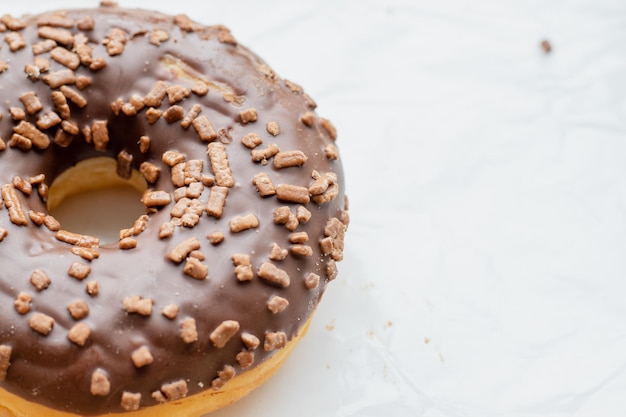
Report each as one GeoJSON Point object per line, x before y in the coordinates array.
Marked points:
{"type": "Point", "coordinates": [204, 296]}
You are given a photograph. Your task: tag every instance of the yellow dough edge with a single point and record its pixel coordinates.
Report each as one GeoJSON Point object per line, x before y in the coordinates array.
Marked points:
{"type": "Point", "coordinates": [88, 175]}
{"type": "Point", "coordinates": [193, 406]}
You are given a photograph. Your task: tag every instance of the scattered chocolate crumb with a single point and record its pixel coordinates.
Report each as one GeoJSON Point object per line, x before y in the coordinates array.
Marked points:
{"type": "Point", "coordinates": [137, 304]}
{"type": "Point", "coordinates": [292, 193]}
{"type": "Point", "coordinates": [546, 46]}
{"type": "Point", "coordinates": [273, 275]}
{"type": "Point", "coordinates": [124, 164]}
{"type": "Point", "coordinates": [248, 116]}
{"type": "Point", "coordinates": [204, 128]}
{"type": "Point", "coordinates": [177, 93]}
{"type": "Point", "coordinates": [166, 230]}
{"type": "Point", "coordinates": [301, 250]}
{"type": "Point", "coordinates": [170, 311]}
{"type": "Point", "coordinates": [42, 190]}
{"type": "Point", "coordinates": [144, 144]}
{"type": "Point", "coordinates": [100, 385]}
{"type": "Point", "coordinates": [308, 118]}
{"type": "Point", "coordinates": [44, 46]}
{"type": "Point", "coordinates": [328, 126]}
{"type": "Point", "coordinates": [155, 97]}
{"type": "Point", "coordinates": [184, 248]}
{"type": "Point", "coordinates": [127, 243]}
{"type": "Point", "coordinates": [38, 138]}
{"type": "Point", "coordinates": [15, 41]}
{"type": "Point", "coordinates": [36, 217]}
{"type": "Point", "coordinates": [188, 331]}
{"type": "Point", "coordinates": [158, 36]}
{"type": "Point", "coordinates": [242, 223]}
{"type": "Point", "coordinates": [150, 172]}
{"type": "Point", "coordinates": [76, 239]}
{"type": "Point", "coordinates": [31, 102]}
{"type": "Point", "coordinates": [289, 159]}
{"type": "Point", "coordinates": [302, 214]}
{"type": "Point", "coordinates": [22, 185]}
{"type": "Point", "coordinates": [299, 237]}
{"type": "Point", "coordinates": [215, 238]}
{"type": "Point", "coordinates": [130, 401]}
{"type": "Point", "coordinates": [195, 269]}
{"type": "Point", "coordinates": [223, 376]}
{"type": "Point", "coordinates": [225, 36]}
{"type": "Point", "coordinates": [5, 360]}
{"type": "Point", "coordinates": [251, 341]}
{"type": "Point", "coordinates": [334, 230]}
{"type": "Point", "coordinates": [274, 340]}
{"type": "Point", "coordinates": [58, 78]}
{"type": "Point", "coordinates": [251, 140]}
{"type": "Point", "coordinates": [74, 96]}
{"type": "Point", "coordinates": [3, 234]}
{"type": "Point", "coordinates": [56, 20]}
{"type": "Point", "coordinates": [262, 155]}
{"type": "Point", "coordinates": [60, 102]}
{"type": "Point", "coordinates": [65, 57]}
{"type": "Point", "coordinates": [92, 288]}
{"type": "Point", "coordinates": [331, 152]}
{"type": "Point", "coordinates": [115, 42]}
{"type": "Point", "coordinates": [184, 23]}
{"type": "Point", "coordinates": [79, 270]}
{"type": "Point", "coordinates": [277, 253]}
{"type": "Point", "coordinates": [22, 303]}
{"type": "Point", "coordinates": [20, 142]}
{"type": "Point", "coordinates": [200, 88]}
{"type": "Point", "coordinates": [88, 254]}
{"type": "Point", "coordinates": [12, 203]}
{"type": "Point", "coordinates": [17, 113]}
{"type": "Point", "coordinates": [173, 114]}
{"type": "Point", "coordinates": [219, 164]}
{"type": "Point", "coordinates": [142, 357]}
{"type": "Point", "coordinates": [85, 24]}
{"type": "Point", "coordinates": [193, 112]}
{"type": "Point", "coordinates": [217, 201]}
{"type": "Point", "coordinates": [243, 267]}
{"type": "Point", "coordinates": [48, 120]}
{"type": "Point", "coordinates": [264, 184]}
{"type": "Point", "coordinates": [40, 280]}
{"type": "Point", "coordinates": [245, 359]}
{"type": "Point", "coordinates": [175, 390]}
{"type": "Point", "coordinates": [41, 323]}
{"type": "Point", "coordinates": [78, 309]}
{"type": "Point", "coordinates": [100, 134]}
{"type": "Point", "coordinates": [224, 332]}
{"type": "Point", "coordinates": [331, 270]}
{"type": "Point", "coordinates": [79, 333]}
{"type": "Point", "coordinates": [172, 158]}
{"type": "Point", "coordinates": [32, 72]}
{"type": "Point", "coordinates": [273, 128]}
{"type": "Point", "coordinates": [277, 304]}
{"type": "Point", "coordinates": [12, 23]}
{"type": "Point", "coordinates": [156, 198]}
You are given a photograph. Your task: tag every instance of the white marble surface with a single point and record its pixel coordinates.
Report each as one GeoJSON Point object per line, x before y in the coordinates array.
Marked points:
{"type": "Point", "coordinates": [485, 272]}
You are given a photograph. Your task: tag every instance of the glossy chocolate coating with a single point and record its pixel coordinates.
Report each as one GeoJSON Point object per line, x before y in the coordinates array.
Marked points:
{"type": "Point", "coordinates": [55, 372]}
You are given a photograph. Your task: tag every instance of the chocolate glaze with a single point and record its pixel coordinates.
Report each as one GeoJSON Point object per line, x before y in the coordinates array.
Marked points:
{"type": "Point", "coordinates": [51, 370]}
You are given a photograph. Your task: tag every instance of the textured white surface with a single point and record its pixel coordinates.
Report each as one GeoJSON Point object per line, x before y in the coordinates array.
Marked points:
{"type": "Point", "coordinates": [485, 272]}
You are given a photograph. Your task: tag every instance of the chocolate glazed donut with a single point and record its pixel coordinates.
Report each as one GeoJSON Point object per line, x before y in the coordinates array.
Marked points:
{"type": "Point", "coordinates": [244, 224]}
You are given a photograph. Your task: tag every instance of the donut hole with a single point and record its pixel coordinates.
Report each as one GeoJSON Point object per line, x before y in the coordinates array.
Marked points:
{"type": "Point", "coordinates": [90, 198]}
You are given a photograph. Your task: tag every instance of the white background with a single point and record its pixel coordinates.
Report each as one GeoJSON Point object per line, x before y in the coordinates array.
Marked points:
{"type": "Point", "coordinates": [485, 266]}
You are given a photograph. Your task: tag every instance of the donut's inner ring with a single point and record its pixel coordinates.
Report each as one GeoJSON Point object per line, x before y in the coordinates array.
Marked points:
{"type": "Point", "coordinates": [91, 198]}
